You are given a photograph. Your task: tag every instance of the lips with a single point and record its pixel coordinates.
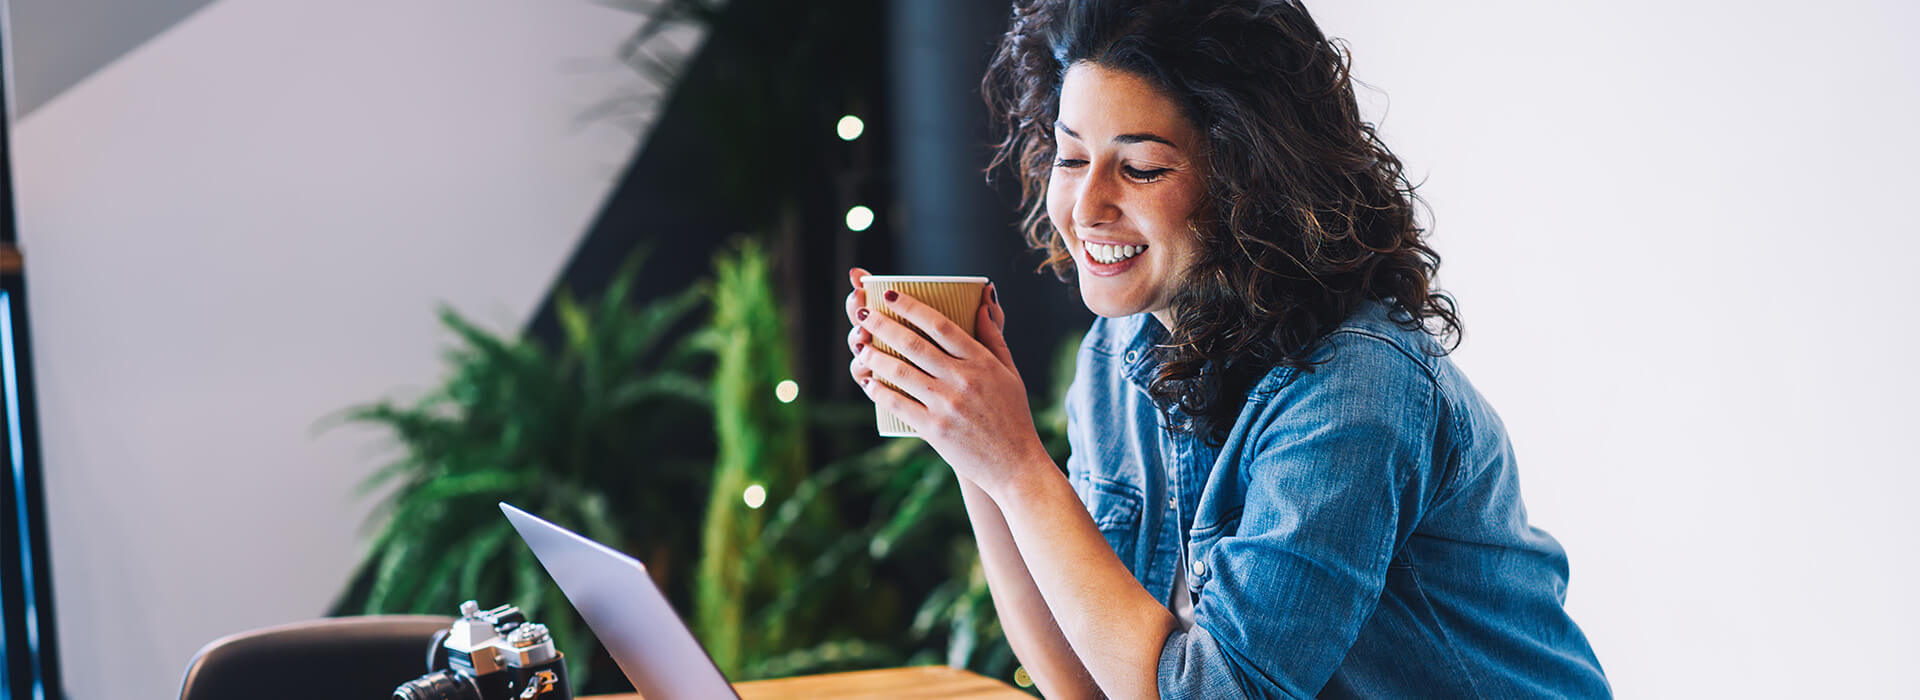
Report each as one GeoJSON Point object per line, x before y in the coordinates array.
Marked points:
{"type": "Point", "coordinates": [1109, 258]}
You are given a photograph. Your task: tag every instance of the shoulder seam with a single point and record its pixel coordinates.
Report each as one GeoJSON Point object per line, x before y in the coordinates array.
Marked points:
{"type": "Point", "coordinates": [1368, 333]}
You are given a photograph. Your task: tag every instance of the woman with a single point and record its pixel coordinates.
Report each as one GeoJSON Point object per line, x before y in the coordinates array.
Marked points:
{"type": "Point", "coordinates": [1341, 509]}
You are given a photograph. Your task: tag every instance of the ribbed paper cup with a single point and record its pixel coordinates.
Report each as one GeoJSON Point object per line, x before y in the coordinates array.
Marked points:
{"type": "Point", "coordinates": [958, 298]}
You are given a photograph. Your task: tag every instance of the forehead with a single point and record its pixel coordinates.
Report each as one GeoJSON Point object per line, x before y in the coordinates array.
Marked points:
{"type": "Point", "coordinates": [1096, 100]}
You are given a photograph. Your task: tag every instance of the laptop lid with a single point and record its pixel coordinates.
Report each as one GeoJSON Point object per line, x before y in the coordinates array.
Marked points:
{"type": "Point", "coordinates": [626, 611]}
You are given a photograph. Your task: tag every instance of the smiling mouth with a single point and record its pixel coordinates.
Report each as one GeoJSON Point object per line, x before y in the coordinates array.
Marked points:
{"type": "Point", "coordinates": [1109, 254]}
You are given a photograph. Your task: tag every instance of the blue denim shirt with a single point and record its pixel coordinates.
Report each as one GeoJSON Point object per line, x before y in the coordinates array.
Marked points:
{"type": "Point", "coordinates": [1359, 534]}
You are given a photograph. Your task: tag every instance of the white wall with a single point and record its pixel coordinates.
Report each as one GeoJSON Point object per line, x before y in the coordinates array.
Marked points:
{"type": "Point", "coordinates": [244, 226]}
{"type": "Point", "coordinates": [1683, 239]}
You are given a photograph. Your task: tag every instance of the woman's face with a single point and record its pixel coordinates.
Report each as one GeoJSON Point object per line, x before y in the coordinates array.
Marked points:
{"type": "Point", "coordinates": [1126, 179]}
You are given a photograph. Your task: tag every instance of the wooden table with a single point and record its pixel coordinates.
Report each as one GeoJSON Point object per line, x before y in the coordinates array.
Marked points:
{"type": "Point", "coordinates": [902, 683]}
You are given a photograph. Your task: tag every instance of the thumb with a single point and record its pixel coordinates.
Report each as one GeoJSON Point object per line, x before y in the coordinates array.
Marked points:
{"type": "Point", "coordinates": [990, 326]}
{"type": "Point", "coordinates": [998, 314]}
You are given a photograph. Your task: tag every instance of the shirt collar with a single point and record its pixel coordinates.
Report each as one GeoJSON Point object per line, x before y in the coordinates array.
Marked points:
{"type": "Point", "coordinates": [1139, 355]}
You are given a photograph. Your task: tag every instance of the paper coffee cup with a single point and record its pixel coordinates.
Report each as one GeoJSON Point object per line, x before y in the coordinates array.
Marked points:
{"type": "Point", "coordinates": [957, 298]}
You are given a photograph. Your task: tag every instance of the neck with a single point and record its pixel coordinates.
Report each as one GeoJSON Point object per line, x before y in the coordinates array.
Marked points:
{"type": "Point", "coordinates": [1165, 317]}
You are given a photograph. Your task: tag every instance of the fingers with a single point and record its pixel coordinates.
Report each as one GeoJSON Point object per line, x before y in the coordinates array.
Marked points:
{"type": "Point", "coordinates": [937, 341]}
{"type": "Point", "coordinates": [896, 403]}
{"type": "Point", "coordinates": [995, 340]}
{"type": "Point", "coordinates": [857, 339]}
{"type": "Point", "coordinates": [992, 304]}
{"type": "Point", "coordinates": [905, 344]}
{"type": "Point", "coordinates": [856, 300]}
{"type": "Point", "coordinates": [908, 379]}
{"type": "Point", "coordinates": [992, 324]}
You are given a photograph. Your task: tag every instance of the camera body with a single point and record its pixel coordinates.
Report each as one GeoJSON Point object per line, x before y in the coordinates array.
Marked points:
{"type": "Point", "coordinates": [490, 655]}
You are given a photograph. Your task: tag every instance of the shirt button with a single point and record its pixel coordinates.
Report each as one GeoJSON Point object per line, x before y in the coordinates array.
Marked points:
{"type": "Point", "coordinates": [1199, 568]}
{"type": "Point", "coordinates": [1133, 356]}
{"type": "Point", "coordinates": [1173, 503]}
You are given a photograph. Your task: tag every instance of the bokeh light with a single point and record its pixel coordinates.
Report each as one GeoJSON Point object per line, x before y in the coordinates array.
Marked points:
{"type": "Point", "coordinates": [859, 218]}
{"type": "Point", "coordinates": [850, 128]}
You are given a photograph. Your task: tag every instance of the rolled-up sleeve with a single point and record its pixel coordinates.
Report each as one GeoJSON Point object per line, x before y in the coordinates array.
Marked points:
{"type": "Point", "coordinates": [1338, 466]}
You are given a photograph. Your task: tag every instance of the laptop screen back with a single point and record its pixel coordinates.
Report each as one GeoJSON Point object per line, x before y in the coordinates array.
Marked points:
{"type": "Point", "coordinates": [626, 611]}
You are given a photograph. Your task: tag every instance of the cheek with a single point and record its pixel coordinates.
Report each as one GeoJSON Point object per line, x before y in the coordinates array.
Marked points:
{"type": "Point", "coordinates": [1174, 212]}
{"type": "Point", "coordinates": [1168, 217]}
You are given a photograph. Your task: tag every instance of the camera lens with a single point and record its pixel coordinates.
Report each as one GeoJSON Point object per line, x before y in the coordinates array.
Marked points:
{"type": "Point", "coordinates": [440, 685]}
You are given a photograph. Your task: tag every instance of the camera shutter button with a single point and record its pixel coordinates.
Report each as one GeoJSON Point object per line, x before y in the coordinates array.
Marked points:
{"type": "Point", "coordinates": [527, 635]}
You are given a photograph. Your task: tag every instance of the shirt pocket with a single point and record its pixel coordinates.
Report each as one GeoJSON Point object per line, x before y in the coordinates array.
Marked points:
{"type": "Point", "coordinates": [1115, 508]}
{"type": "Point", "coordinates": [1200, 563]}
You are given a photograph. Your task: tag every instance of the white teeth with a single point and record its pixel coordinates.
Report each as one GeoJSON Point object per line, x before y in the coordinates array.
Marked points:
{"type": "Point", "coordinates": [1110, 254]}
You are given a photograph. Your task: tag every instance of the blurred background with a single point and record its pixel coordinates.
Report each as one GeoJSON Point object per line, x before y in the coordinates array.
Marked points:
{"type": "Point", "coordinates": [314, 284]}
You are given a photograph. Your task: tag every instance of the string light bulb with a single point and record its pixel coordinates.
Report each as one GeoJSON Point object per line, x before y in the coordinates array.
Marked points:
{"type": "Point", "coordinates": [859, 218]}
{"type": "Point", "coordinates": [850, 128]}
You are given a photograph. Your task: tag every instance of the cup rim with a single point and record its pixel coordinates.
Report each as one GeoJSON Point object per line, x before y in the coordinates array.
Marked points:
{"type": "Point", "coordinates": [923, 278]}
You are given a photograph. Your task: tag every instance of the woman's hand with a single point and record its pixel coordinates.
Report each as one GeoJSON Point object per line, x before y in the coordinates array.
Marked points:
{"type": "Point", "coordinates": [962, 395]}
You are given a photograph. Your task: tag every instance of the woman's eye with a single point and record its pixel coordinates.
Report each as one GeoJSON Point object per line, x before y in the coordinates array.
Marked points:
{"type": "Point", "coordinates": [1139, 175]}
{"type": "Point", "coordinates": [1068, 163]}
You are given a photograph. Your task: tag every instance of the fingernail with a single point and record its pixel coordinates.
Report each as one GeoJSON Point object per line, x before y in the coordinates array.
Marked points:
{"type": "Point", "coordinates": [892, 295]}
{"type": "Point", "coordinates": [868, 382]}
{"type": "Point", "coordinates": [857, 347]}
{"type": "Point", "coordinates": [863, 314]}
{"type": "Point", "coordinates": [993, 294]}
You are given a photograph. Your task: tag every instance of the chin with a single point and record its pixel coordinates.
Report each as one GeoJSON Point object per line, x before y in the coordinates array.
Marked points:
{"type": "Point", "coordinates": [1106, 306]}
{"type": "Point", "coordinates": [1105, 311]}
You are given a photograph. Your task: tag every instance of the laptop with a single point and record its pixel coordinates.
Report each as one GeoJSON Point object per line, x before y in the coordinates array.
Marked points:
{"type": "Point", "coordinates": [626, 611]}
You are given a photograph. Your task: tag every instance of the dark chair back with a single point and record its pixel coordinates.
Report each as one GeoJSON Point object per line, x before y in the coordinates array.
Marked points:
{"type": "Point", "coordinates": [328, 659]}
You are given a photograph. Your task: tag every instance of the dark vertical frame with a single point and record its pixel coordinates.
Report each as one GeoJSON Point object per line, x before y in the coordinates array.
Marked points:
{"type": "Point", "coordinates": [31, 669]}
{"type": "Point", "coordinates": [955, 222]}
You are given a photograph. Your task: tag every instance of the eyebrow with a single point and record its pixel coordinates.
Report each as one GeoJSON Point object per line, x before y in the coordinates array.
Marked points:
{"type": "Point", "coordinates": [1121, 139]}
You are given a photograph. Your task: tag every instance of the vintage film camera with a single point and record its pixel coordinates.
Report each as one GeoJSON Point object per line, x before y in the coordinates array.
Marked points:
{"type": "Point", "coordinates": [490, 655]}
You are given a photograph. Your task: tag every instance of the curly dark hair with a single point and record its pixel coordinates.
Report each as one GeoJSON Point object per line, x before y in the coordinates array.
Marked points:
{"type": "Point", "coordinates": [1306, 213]}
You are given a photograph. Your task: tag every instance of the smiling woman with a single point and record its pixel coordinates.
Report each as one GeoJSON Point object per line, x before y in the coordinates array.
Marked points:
{"type": "Point", "coordinates": [1343, 516]}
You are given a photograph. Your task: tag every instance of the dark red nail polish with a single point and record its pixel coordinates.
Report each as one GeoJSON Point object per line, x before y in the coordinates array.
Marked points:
{"type": "Point", "coordinates": [857, 347]}
{"type": "Point", "coordinates": [862, 314]}
{"type": "Point", "coordinates": [993, 294]}
{"type": "Point", "coordinates": [892, 295]}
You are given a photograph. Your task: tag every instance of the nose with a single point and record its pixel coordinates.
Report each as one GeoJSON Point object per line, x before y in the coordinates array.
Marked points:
{"type": "Point", "coordinates": [1097, 202]}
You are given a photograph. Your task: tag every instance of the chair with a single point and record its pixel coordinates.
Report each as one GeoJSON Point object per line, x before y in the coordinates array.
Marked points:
{"type": "Point", "coordinates": [327, 659]}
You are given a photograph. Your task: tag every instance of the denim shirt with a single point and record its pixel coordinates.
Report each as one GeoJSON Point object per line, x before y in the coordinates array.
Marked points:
{"type": "Point", "coordinates": [1359, 534]}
